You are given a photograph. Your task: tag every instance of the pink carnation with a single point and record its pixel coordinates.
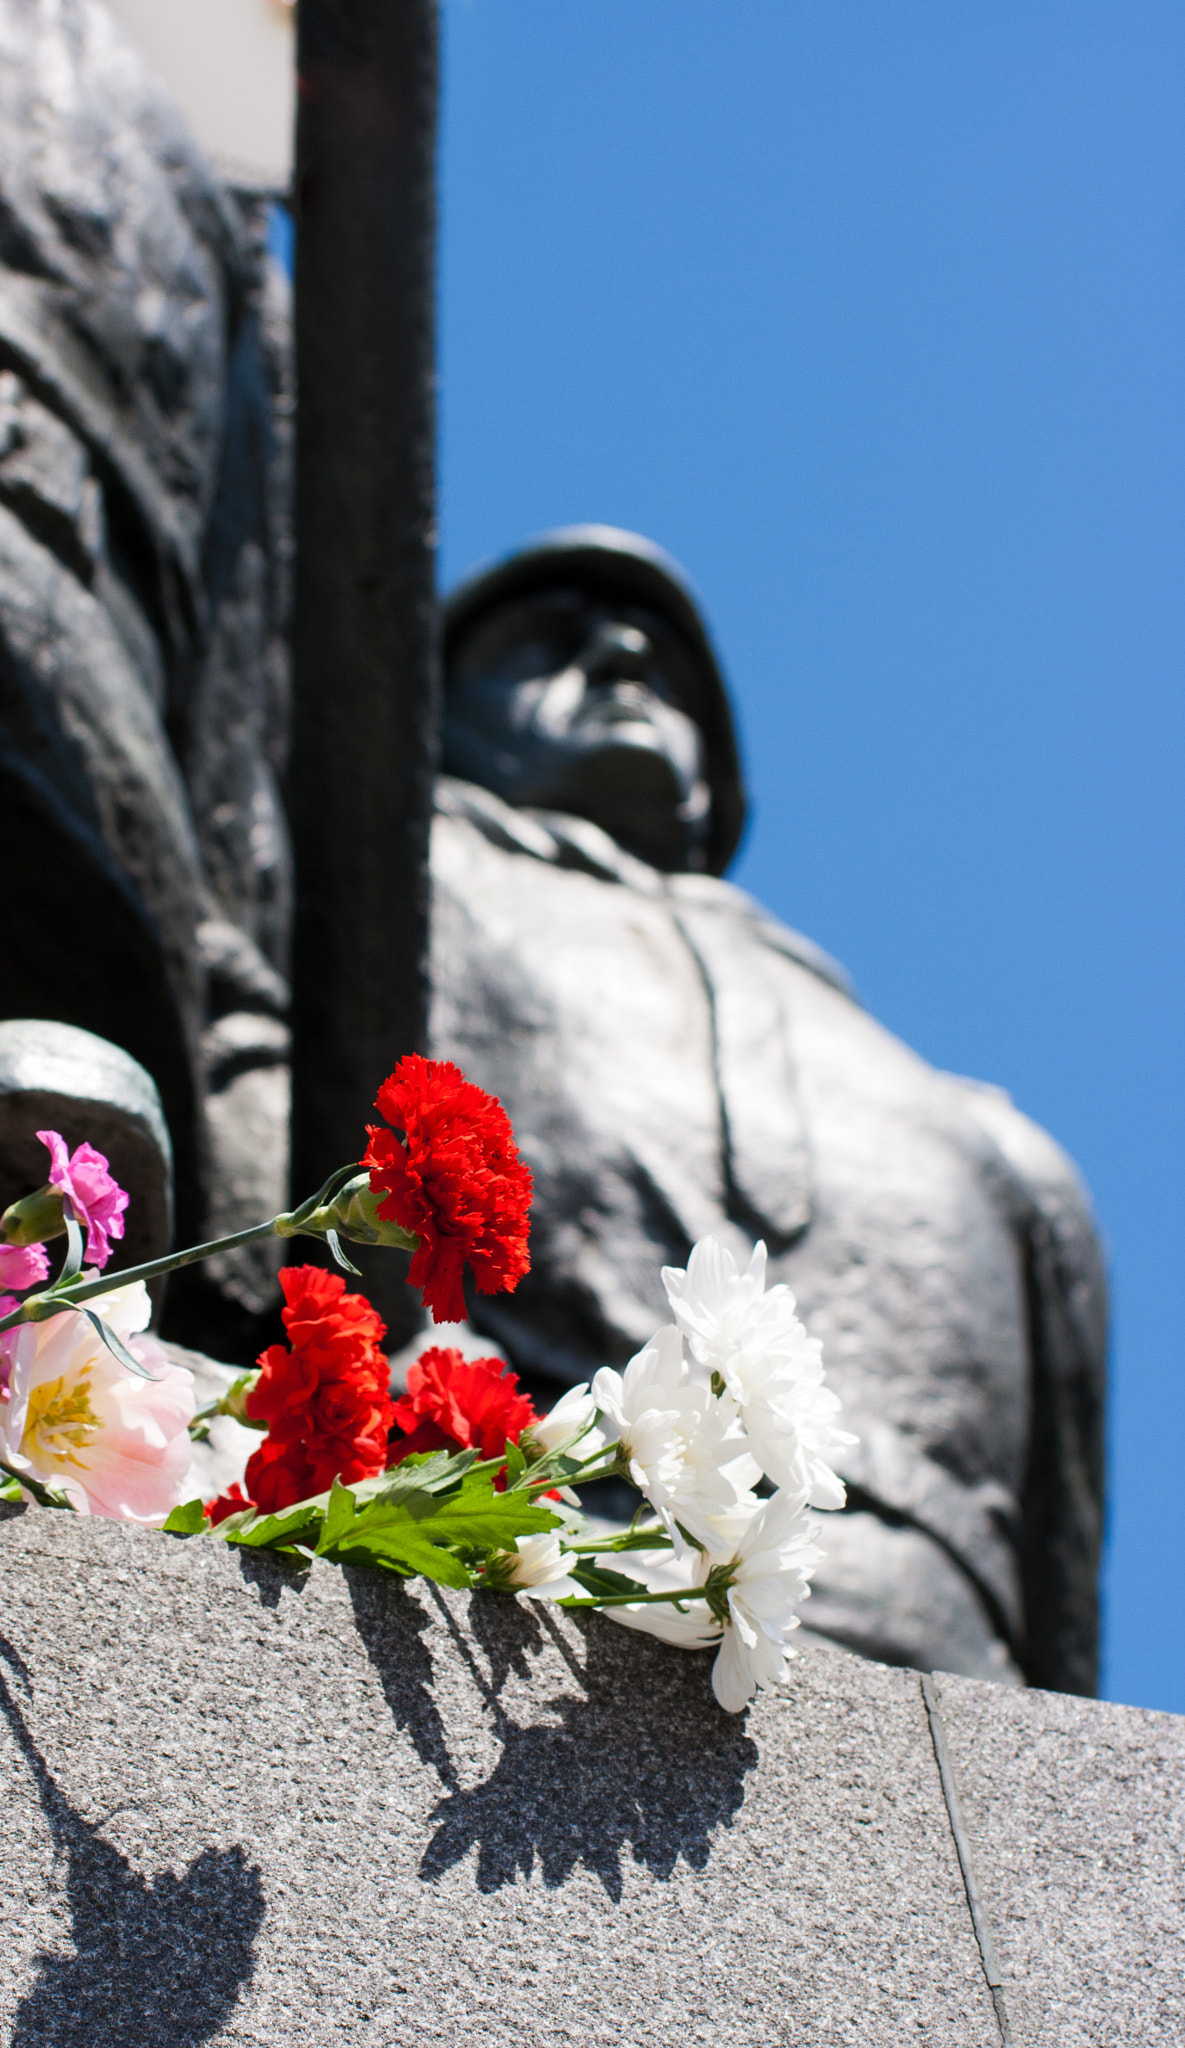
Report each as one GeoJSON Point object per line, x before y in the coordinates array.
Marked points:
{"type": "Point", "coordinates": [23, 1265]}
{"type": "Point", "coordinates": [98, 1200]}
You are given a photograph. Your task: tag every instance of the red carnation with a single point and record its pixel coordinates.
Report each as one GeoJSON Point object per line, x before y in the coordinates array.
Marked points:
{"type": "Point", "coordinates": [455, 1403]}
{"type": "Point", "coordinates": [229, 1503]}
{"type": "Point", "coordinates": [458, 1182]}
{"type": "Point", "coordinates": [334, 1339]}
{"type": "Point", "coordinates": [324, 1396]}
{"type": "Point", "coordinates": [278, 1475]}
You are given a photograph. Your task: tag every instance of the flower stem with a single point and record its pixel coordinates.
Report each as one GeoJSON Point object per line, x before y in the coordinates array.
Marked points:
{"type": "Point", "coordinates": [656, 1539]}
{"type": "Point", "coordinates": [37, 1307]}
{"type": "Point", "coordinates": [45, 1496]}
{"type": "Point", "coordinates": [678, 1596]}
{"type": "Point", "coordinates": [583, 1475]}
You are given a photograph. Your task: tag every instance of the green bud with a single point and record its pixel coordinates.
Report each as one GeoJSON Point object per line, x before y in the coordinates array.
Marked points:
{"type": "Point", "coordinates": [354, 1215]}
{"type": "Point", "coordinates": [38, 1308]}
{"type": "Point", "coordinates": [716, 1588]}
{"type": "Point", "coordinates": [358, 1208]}
{"type": "Point", "coordinates": [498, 1572]}
{"type": "Point", "coordinates": [35, 1218]}
{"type": "Point", "coordinates": [234, 1401]}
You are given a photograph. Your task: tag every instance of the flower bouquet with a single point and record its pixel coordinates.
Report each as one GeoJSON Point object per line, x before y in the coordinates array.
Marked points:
{"type": "Point", "coordinates": [722, 1423]}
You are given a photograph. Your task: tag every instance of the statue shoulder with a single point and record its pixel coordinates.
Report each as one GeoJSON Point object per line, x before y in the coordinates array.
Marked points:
{"type": "Point", "coordinates": [1066, 1291]}
{"type": "Point", "coordinates": [466, 805]}
{"type": "Point", "coordinates": [1047, 1174]}
{"type": "Point", "coordinates": [555, 837]}
{"type": "Point", "coordinates": [705, 893]}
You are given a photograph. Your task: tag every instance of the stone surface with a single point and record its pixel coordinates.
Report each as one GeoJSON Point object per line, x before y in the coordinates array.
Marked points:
{"type": "Point", "coordinates": [1076, 1814]}
{"type": "Point", "coordinates": [247, 1806]}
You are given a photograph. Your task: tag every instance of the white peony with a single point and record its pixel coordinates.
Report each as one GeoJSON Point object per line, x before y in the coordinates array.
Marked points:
{"type": "Point", "coordinates": [752, 1341]}
{"type": "Point", "coordinates": [716, 1472]}
{"type": "Point", "coordinates": [751, 1597]}
{"type": "Point", "coordinates": [73, 1417]}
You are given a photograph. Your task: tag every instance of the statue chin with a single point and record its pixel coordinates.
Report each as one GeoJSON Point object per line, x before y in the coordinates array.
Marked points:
{"type": "Point", "coordinates": [636, 795]}
{"type": "Point", "coordinates": [630, 787]}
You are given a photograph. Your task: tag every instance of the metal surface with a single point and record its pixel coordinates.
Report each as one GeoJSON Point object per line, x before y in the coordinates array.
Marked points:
{"type": "Point", "coordinates": [142, 568]}
{"type": "Point", "coordinates": [674, 1062]}
{"type": "Point", "coordinates": [364, 729]}
{"type": "Point", "coordinates": [55, 1077]}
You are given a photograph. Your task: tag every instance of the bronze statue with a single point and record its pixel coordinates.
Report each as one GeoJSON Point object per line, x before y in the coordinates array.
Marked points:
{"type": "Point", "coordinates": [143, 563]}
{"type": "Point", "coordinates": [675, 1061]}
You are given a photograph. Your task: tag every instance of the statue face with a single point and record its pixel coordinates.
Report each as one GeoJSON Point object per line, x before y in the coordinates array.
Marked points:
{"type": "Point", "coordinates": [569, 703]}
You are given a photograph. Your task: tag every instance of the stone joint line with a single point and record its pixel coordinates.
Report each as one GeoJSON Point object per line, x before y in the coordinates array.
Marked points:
{"type": "Point", "coordinates": [962, 1840]}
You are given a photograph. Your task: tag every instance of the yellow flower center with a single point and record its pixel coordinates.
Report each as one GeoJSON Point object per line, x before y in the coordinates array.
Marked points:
{"type": "Point", "coordinates": [60, 1420]}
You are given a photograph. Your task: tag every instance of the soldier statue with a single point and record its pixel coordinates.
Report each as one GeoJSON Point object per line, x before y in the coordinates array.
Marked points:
{"type": "Point", "coordinates": [675, 1061]}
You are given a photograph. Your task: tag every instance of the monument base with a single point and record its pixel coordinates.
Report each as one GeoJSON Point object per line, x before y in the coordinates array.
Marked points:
{"type": "Point", "coordinates": [249, 1804]}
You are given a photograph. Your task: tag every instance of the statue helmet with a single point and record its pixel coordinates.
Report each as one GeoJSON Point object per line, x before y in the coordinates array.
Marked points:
{"type": "Point", "coordinates": [606, 561]}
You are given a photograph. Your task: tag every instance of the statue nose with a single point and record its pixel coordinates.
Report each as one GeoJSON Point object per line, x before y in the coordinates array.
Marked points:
{"type": "Point", "coordinates": [616, 653]}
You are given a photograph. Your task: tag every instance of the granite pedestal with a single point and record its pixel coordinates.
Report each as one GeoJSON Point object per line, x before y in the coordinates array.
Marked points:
{"type": "Point", "coordinates": [246, 1804]}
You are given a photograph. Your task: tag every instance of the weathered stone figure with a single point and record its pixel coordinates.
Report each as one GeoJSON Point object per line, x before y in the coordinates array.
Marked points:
{"type": "Point", "coordinates": [675, 1061]}
{"type": "Point", "coordinates": [142, 568]}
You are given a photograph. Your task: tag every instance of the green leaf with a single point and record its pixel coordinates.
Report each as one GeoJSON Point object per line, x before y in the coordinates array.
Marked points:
{"type": "Point", "coordinates": [301, 1523]}
{"type": "Point", "coordinates": [424, 1472]}
{"type": "Point", "coordinates": [115, 1345]}
{"type": "Point", "coordinates": [410, 1529]}
{"type": "Point", "coordinates": [72, 1264]}
{"type": "Point", "coordinates": [516, 1464]}
{"type": "Point", "coordinates": [476, 1513]}
{"type": "Point", "coordinates": [187, 1520]}
{"type": "Point", "coordinates": [339, 1516]}
{"type": "Point", "coordinates": [334, 1242]}
{"type": "Point", "coordinates": [45, 1496]}
{"type": "Point", "coordinates": [408, 1555]}
{"type": "Point", "coordinates": [604, 1584]}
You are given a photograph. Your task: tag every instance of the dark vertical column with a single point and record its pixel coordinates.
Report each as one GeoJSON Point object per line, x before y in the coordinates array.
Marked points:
{"type": "Point", "coordinates": [364, 676]}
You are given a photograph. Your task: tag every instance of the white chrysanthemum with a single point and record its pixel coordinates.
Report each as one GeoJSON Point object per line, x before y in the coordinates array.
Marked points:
{"type": "Point", "coordinates": [643, 1410]}
{"type": "Point", "coordinates": [693, 1627]}
{"type": "Point", "coordinates": [764, 1581]}
{"type": "Point", "coordinates": [73, 1417]}
{"type": "Point", "coordinates": [754, 1594]}
{"type": "Point", "coordinates": [572, 1417]}
{"type": "Point", "coordinates": [539, 1566]}
{"type": "Point", "coordinates": [715, 1473]}
{"type": "Point", "coordinates": [754, 1342]}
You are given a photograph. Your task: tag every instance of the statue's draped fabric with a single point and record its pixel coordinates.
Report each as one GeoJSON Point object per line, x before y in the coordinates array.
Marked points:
{"type": "Point", "coordinates": [142, 567]}
{"type": "Point", "coordinates": [676, 1062]}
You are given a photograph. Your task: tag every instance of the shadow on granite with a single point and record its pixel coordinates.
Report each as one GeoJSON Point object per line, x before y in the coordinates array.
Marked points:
{"type": "Point", "coordinates": [565, 1790]}
{"type": "Point", "coordinates": [562, 1793]}
{"type": "Point", "coordinates": [155, 1961]}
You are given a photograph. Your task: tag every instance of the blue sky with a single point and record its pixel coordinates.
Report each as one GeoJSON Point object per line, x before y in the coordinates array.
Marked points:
{"type": "Point", "coordinates": [873, 312]}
